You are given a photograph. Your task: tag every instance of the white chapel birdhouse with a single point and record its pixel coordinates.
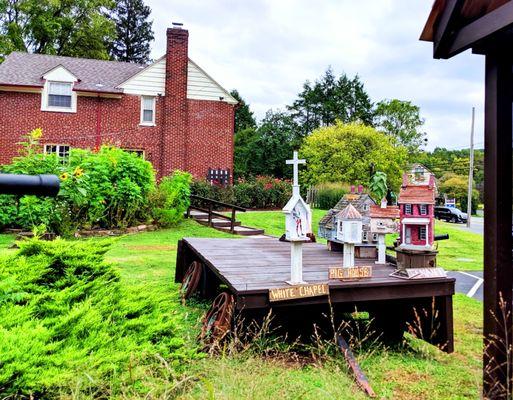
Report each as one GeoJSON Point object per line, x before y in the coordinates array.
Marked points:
{"type": "Point", "coordinates": [349, 225]}
{"type": "Point", "coordinates": [297, 219]}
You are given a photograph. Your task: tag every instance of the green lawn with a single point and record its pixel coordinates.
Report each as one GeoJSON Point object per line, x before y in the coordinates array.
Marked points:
{"type": "Point", "coordinates": [463, 251]}
{"type": "Point", "coordinates": [419, 371]}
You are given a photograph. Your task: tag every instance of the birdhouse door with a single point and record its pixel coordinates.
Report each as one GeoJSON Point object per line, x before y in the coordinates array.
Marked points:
{"type": "Point", "coordinates": [408, 236]}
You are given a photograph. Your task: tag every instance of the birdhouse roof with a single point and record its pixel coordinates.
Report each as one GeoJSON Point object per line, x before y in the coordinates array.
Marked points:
{"type": "Point", "coordinates": [416, 195]}
{"type": "Point", "coordinates": [292, 203]}
{"type": "Point", "coordinates": [350, 212]}
{"type": "Point", "coordinates": [387, 212]}
{"type": "Point", "coordinates": [358, 200]}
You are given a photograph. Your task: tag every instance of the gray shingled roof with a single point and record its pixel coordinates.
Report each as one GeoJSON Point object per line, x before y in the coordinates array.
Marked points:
{"type": "Point", "coordinates": [28, 69]}
{"type": "Point", "coordinates": [356, 199]}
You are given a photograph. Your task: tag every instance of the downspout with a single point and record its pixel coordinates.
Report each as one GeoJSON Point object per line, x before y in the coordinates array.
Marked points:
{"type": "Point", "coordinates": [98, 137]}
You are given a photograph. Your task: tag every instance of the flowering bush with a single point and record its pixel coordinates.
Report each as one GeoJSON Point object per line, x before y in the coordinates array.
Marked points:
{"type": "Point", "coordinates": [108, 188]}
{"type": "Point", "coordinates": [259, 192]}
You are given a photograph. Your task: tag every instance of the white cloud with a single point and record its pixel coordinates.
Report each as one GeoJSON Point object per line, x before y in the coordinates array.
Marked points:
{"type": "Point", "coordinates": [268, 48]}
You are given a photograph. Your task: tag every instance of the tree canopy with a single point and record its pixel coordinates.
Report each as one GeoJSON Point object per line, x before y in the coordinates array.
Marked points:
{"type": "Point", "coordinates": [77, 28]}
{"type": "Point", "coordinates": [244, 117]}
{"type": "Point", "coordinates": [329, 99]}
{"type": "Point", "coordinates": [349, 152]}
{"type": "Point", "coordinates": [134, 31]}
{"type": "Point", "coordinates": [401, 120]}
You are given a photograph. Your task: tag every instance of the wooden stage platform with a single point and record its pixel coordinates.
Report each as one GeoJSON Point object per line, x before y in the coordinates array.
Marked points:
{"type": "Point", "coordinates": [250, 267]}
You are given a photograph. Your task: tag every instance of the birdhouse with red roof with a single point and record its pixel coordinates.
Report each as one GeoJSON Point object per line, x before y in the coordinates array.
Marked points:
{"type": "Point", "coordinates": [416, 204]}
{"type": "Point", "coordinates": [383, 220]}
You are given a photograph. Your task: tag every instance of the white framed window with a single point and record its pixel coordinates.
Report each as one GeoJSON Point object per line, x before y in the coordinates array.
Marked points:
{"type": "Point", "coordinates": [59, 97]}
{"type": "Point", "coordinates": [62, 150]}
{"type": "Point", "coordinates": [364, 236]}
{"type": "Point", "coordinates": [137, 152]}
{"type": "Point", "coordinates": [422, 232]}
{"type": "Point", "coordinates": [423, 209]}
{"type": "Point", "coordinates": [407, 209]}
{"type": "Point", "coordinates": [374, 237]}
{"type": "Point", "coordinates": [148, 110]}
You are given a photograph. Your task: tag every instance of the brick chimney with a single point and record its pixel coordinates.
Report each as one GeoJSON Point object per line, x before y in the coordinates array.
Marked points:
{"type": "Point", "coordinates": [174, 137]}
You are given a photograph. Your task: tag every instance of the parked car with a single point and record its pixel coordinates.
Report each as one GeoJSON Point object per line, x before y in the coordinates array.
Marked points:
{"type": "Point", "coordinates": [450, 214]}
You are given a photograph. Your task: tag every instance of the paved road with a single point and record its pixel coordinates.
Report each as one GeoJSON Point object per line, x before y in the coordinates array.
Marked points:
{"type": "Point", "coordinates": [476, 225]}
{"type": "Point", "coordinates": [469, 283]}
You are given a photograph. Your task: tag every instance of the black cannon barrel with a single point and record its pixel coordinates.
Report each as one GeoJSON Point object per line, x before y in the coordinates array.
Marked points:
{"type": "Point", "coordinates": [442, 237]}
{"type": "Point", "coordinates": [37, 185]}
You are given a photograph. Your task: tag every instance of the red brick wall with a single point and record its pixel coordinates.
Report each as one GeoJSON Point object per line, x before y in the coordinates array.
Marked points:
{"type": "Point", "coordinates": [210, 125]}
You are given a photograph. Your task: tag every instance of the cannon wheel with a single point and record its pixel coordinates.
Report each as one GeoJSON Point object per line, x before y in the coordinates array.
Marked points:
{"type": "Point", "coordinates": [191, 279]}
{"type": "Point", "coordinates": [217, 322]}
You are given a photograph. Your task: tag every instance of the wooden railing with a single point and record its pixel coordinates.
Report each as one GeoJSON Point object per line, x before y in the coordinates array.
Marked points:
{"type": "Point", "coordinates": [210, 205]}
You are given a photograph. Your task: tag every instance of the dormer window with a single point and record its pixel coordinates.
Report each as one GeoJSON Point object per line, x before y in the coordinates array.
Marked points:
{"type": "Point", "coordinates": [59, 94]}
{"type": "Point", "coordinates": [407, 209]}
{"type": "Point", "coordinates": [148, 110]}
{"type": "Point", "coordinates": [423, 209]}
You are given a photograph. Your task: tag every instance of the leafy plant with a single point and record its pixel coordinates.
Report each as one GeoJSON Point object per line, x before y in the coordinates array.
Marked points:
{"type": "Point", "coordinates": [172, 198]}
{"type": "Point", "coordinates": [378, 185]}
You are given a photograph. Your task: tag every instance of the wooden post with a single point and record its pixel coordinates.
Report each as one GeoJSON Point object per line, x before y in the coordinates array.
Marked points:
{"type": "Point", "coordinates": [232, 226]}
{"type": "Point", "coordinates": [210, 213]}
{"type": "Point", "coordinates": [498, 272]}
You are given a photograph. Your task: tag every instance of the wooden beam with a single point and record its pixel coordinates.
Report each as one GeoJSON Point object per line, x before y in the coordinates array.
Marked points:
{"type": "Point", "coordinates": [442, 32]}
{"type": "Point", "coordinates": [480, 29]}
{"type": "Point", "coordinates": [498, 271]}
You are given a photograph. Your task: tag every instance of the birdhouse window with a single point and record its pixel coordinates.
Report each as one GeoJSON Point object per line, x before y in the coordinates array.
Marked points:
{"type": "Point", "coordinates": [423, 209]}
{"type": "Point", "coordinates": [407, 209]}
{"type": "Point", "coordinates": [422, 233]}
{"type": "Point", "coordinates": [364, 236]}
{"type": "Point", "coordinates": [354, 232]}
{"type": "Point", "coordinates": [374, 237]}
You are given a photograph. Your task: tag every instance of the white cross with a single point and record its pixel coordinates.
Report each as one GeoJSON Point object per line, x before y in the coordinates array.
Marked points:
{"type": "Point", "coordinates": [295, 162]}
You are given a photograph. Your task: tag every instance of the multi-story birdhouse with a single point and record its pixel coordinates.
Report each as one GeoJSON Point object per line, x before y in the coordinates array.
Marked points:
{"type": "Point", "coordinates": [416, 202]}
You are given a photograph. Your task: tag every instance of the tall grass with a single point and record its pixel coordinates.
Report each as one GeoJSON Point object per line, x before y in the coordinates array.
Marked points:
{"type": "Point", "coordinates": [326, 195]}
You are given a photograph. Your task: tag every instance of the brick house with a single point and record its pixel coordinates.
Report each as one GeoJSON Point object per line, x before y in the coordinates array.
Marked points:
{"type": "Point", "coordinates": [171, 111]}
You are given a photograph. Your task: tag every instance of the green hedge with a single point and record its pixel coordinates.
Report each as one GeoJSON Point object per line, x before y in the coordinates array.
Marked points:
{"type": "Point", "coordinates": [328, 194]}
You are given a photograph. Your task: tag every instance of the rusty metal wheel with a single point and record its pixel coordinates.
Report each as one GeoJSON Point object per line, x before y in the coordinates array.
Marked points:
{"type": "Point", "coordinates": [191, 279]}
{"type": "Point", "coordinates": [217, 322]}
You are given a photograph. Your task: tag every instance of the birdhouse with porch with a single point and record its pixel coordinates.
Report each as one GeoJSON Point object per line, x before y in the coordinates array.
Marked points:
{"type": "Point", "coordinates": [416, 204]}
{"type": "Point", "coordinates": [384, 220]}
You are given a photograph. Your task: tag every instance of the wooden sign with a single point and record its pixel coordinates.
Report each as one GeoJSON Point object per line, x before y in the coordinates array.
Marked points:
{"type": "Point", "coordinates": [298, 292]}
{"type": "Point", "coordinates": [348, 273]}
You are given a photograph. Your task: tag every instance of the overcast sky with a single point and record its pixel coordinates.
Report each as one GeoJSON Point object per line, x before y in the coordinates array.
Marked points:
{"type": "Point", "coordinates": [266, 49]}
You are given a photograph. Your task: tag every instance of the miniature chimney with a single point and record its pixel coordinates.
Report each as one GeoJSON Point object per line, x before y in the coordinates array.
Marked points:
{"type": "Point", "coordinates": [384, 202]}
{"type": "Point", "coordinates": [405, 179]}
{"type": "Point", "coordinates": [352, 189]}
{"type": "Point", "coordinates": [360, 189]}
{"type": "Point", "coordinates": [431, 181]}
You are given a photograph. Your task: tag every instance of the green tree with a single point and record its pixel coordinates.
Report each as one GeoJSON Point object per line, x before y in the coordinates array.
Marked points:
{"type": "Point", "coordinates": [244, 117]}
{"type": "Point", "coordinates": [346, 152]}
{"type": "Point", "coordinates": [77, 28]}
{"type": "Point", "coordinates": [455, 186]}
{"type": "Point", "coordinates": [329, 99]}
{"type": "Point", "coordinates": [401, 120]}
{"type": "Point", "coordinates": [263, 151]}
{"type": "Point", "coordinates": [134, 31]}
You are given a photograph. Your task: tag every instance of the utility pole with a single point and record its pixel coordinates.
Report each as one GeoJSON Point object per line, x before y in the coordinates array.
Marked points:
{"type": "Point", "coordinates": [471, 169]}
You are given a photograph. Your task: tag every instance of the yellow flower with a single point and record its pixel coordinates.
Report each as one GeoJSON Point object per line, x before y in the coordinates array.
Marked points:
{"type": "Point", "coordinates": [64, 176]}
{"type": "Point", "coordinates": [78, 172]}
{"type": "Point", "coordinates": [36, 134]}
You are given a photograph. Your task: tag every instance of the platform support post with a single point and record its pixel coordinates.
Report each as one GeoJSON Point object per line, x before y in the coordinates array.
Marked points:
{"type": "Point", "coordinates": [296, 263]}
{"type": "Point", "coordinates": [348, 255]}
{"type": "Point", "coordinates": [382, 250]}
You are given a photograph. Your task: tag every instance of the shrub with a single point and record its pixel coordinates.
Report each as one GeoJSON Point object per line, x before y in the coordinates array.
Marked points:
{"type": "Point", "coordinates": [67, 324]}
{"type": "Point", "coordinates": [328, 194]}
{"type": "Point", "coordinates": [172, 198]}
